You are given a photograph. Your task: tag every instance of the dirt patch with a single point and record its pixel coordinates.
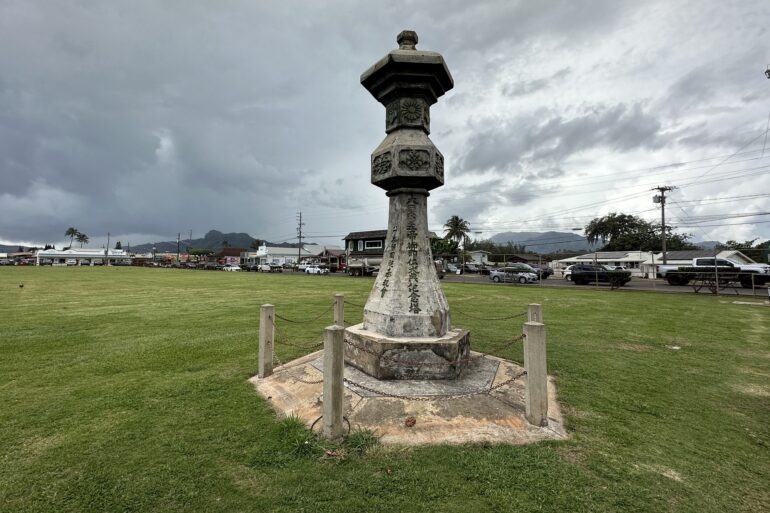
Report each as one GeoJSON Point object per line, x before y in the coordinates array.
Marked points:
{"type": "Point", "coordinates": [753, 372]}
{"type": "Point", "coordinates": [662, 470]}
{"type": "Point", "coordinates": [755, 390]}
{"type": "Point", "coordinates": [637, 348]}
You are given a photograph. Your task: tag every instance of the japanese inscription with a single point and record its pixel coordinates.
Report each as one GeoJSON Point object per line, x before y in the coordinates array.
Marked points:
{"type": "Point", "coordinates": [412, 249]}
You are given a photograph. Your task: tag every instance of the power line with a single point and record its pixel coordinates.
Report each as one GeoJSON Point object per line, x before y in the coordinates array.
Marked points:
{"type": "Point", "coordinates": [734, 154]}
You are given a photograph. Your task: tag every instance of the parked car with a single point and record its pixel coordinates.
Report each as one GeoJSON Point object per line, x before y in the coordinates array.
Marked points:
{"type": "Point", "coordinates": [470, 268]}
{"type": "Point", "coordinates": [451, 269]}
{"type": "Point", "coordinates": [231, 267]}
{"type": "Point", "coordinates": [314, 269]}
{"type": "Point", "coordinates": [543, 271]}
{"type": "Point", "coordinates": [512, 274]}
{"type": "Point", "coordinates": [269, 268]}
{"type": "Point", "coordinates": [212, 266]}
{"type": "Point", "coordinates": [583, 274]}
{"type": "Point", "coordinates": [567, 272]}
{"type": "Point", "coordinates": [5, 261]}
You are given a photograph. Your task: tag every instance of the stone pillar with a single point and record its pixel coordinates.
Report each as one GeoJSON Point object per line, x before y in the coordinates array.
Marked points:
{"type": "Point", "coordinates": [333, 389]}
{"type": "Point", "coordinates": [407, 299]}
{"type": "Point", "coordinates": [535, 312]}
{"type": "Point", "coordinates": [536, 396]}
{"type": "Point", "coordinates": [339, 310]}
{"type": "Point", "coordinates": [266, 340]}
{"type": "Point", "coordinates": [406, 332]}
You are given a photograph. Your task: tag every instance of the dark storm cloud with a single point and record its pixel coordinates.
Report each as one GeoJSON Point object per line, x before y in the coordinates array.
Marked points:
{"type": "Point", "coordinates": [156, 117]}
{"type": "Point", "coordinates": [529, 138]}
{"type": "Point", "coordinates": [480, 200]}
{"type": "Point", "coordinates": [526, 87]}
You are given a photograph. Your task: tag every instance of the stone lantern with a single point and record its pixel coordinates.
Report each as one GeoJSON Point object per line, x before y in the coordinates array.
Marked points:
{"type": "Point", "coordinates": [406, 332]}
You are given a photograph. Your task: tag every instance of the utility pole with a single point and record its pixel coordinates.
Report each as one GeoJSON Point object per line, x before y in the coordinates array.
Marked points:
{"type": "Point", "coordinates": [107, 251]}
{"type": "Point", "coordinates": [300, 224]}
{"type": "Point", "coordinates": [178, 238]}
{"type": "Point", "coordinates": [661, 198]}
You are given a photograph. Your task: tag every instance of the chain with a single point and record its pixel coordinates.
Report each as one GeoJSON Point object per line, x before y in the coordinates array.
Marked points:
{"type": "Point", "coordinates": [305, 381]}
{"type": "Point", "coordinates": [281, 339]}
{"type": "Point", "coordinates": [307, 320]}
{"type": "Point", "coordinates": [434, 397]}
{"type": "Point", "coordinates": [420, 363]}
{"type": "Point", "coordinates": [353, 304]}
{"type": "Point", "coordinates": [521, 314]}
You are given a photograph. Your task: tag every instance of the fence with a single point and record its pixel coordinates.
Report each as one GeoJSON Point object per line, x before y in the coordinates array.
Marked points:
{"type": "Point", "coordinates": [334, 380]}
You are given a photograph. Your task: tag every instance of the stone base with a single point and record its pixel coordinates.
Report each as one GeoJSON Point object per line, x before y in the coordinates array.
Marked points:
{"type": "Point", "coordinates": [407, 357]}
{"type": "Point", "coordinates": [463, 410]}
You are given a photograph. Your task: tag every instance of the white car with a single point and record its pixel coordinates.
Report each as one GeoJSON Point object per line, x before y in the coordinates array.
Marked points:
{"type": "Point", "coordinates": [231, 267]}
{"type": "Point", "coordinates": [314, 269]}
{"type": "Point", "coordinates": [567, 273]}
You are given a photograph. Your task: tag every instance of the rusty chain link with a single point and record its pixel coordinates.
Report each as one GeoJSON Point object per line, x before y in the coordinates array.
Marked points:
{"type": "Point", "coordinates": [420, 363]}
{"type": "Point", "coordinates": [354, 304]}
{"type": "Point", "coordinates": [302, 380]}
{"type": "Point", "coordinates": [434, 397]}
{"type": "Point", "coordinates": [513, 316]}
{"type": "Point", "coordinates": [282, 339]}
{"type": "Point", "coordinates": [307, 320]}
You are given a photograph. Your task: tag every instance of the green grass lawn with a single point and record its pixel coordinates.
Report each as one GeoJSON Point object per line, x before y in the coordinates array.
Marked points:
{"type": "Point", "coordinates": [125, 389]}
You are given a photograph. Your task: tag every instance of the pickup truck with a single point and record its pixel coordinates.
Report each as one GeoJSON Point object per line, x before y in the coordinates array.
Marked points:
{"type": "Point", "coordinates": [678, 275]}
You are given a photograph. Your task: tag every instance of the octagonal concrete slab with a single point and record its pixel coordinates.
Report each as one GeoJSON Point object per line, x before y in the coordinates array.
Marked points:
{"type": "Point", "coordinates": [464, 410]}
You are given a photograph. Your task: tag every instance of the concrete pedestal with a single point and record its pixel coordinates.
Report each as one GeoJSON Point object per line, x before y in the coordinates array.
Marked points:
{"type": "Point", "coordinates": [385, 357]}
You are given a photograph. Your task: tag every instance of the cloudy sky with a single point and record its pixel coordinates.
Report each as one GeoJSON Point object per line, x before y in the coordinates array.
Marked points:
{"type": "Point", "coordinates": [149, 118]}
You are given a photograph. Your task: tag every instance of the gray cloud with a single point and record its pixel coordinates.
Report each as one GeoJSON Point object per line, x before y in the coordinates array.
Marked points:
{"type": "Point", "coordinates": [150, 118]}
{"type": "Point", "coordinates": [528, 139]}
{"type": "Point", "coordinates": [525, 87]}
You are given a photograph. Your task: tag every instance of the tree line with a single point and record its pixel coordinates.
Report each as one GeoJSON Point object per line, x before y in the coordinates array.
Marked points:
{"type": "Point", "coordinates": [617, 232]}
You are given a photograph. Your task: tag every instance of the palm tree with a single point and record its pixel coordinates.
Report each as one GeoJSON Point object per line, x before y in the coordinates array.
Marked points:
{"type": "Point", "coordinates": [456, 228]}
{"type": "Point", "coordinates": [71, 232]}
{"type": "Point", "coordinates": [82, 238]}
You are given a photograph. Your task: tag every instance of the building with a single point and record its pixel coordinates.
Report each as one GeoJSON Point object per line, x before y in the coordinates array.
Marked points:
{"type": "Point", "coordinates": [275, 255]}
{"type": "Point", "coordinates": [227, 256]}
{"type": "Point", "coordinates": [524, 258]}
{"type": "Point", "coordinates": [333, 257]}
{"type": "Point", "coordinates": [364, 251]}
{"type": "Point", "coordinates": [479, 257]}
{"type": "Point", "coordinates": [81, 256]}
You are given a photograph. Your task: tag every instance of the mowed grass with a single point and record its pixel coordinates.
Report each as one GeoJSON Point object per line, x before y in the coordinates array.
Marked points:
{"type": "Point", "coordinates": [125, 389]}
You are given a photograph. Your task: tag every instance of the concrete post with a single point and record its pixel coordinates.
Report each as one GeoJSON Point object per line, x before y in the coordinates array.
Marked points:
{"type": "Point", "coordinates": [536, 397]}
{"type": "Point", "coordinates": [535, 313]}
{"type": "Point", "coordinates": [332, 386]}
{"type": "Point", "coordinates": [339, 310]}
{"type": "Point", "coordinates": [266, 340]}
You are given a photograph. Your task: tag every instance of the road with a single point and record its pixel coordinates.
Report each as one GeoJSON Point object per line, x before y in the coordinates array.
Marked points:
{"type": "Point", "coordinates": [638, 284]}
